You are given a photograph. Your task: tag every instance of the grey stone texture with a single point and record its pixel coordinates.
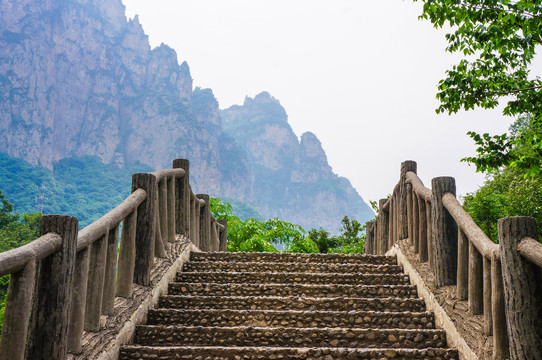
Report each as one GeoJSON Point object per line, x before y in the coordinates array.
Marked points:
{"type": "Point", "coordinates": [289, 306]}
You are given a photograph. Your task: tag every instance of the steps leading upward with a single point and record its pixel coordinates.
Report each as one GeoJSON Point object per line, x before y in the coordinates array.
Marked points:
{"type": "Point", "coordinates": [289, 306]}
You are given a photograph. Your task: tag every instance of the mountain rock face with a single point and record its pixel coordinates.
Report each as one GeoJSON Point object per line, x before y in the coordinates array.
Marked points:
{"type": "Point", "coordinates": [78, 78]}
{"type": "Point", "coordinates": [293, 179]}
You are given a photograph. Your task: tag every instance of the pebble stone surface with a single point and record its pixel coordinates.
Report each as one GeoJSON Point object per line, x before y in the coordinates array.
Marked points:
{"type": "Point", "coordinates": [289, 306]}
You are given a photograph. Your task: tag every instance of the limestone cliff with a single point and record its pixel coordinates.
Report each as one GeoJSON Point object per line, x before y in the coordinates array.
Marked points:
{"type": "Point", "coordinates": [77, 78]}
{"type": "Point", "coordinates": [290, 172]}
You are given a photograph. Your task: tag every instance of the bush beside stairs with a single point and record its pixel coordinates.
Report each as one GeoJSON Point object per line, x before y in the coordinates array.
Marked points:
{"type": "Point", "coordinates": [289, 306]}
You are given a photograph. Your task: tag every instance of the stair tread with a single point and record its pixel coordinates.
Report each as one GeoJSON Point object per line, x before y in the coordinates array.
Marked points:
{"type": "Point", "coordinates": [288, 336]}
{"type": "Point", "coordinates": [285, 277]}
{"type": "Point", "coordinates": [292, 318]}
{"type": "Point", "coordinates": [292, 257]}
{"type": "Point", "coordinates": [311, 267]}
{"type": "Point", "coordinates": [299, 353]}
{"type": "Point", "coordinates": [254, 289]}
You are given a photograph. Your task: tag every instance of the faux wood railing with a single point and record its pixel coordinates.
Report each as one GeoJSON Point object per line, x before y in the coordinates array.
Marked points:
{"type": "Point", "coordinates": [62, 282]}
{"type": "Point", "coordinates": [502, 282]}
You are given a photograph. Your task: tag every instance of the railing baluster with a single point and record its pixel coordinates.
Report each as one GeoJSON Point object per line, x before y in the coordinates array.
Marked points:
{"type": "Point", "coordinates": [79, 299]}
{"type": "Point", "coordinates": [18, 305]}
{"type": "Point", "coordinates": [488, 321]}
{"type": "Point", "coordinates": [462, 265]}
{"type": "Point", "coordinates": [171, 208]}
{"type": "Point", "coordinates": [223, 235]}
{"type": "Point", "coordinates": [108, 305]}
{"type": "Point", "coordinates": [96, 278]}
{"type": "Point", "coordinates": [475, 295]}
{"type": "Point", "coordinates": [163, 210]}
{"type": "Point", "coordinates": [182, 201]}
{"type": "Point", "coordinates": [415, 222]}
{"type": "Point", "coordinates": [422, 236]}
{"type": "Point", "coordinates": [125, 274]}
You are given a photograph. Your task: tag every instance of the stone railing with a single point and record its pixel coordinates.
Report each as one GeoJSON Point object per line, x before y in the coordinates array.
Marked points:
{"type": "Point", "coordinates": [499, 281]}
{"type": "Point", "coordinates": [65, 280]}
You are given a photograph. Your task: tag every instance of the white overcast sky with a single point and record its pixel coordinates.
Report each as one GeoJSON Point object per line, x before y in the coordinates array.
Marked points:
{"type": "Point", "coordinates": [361, 75]}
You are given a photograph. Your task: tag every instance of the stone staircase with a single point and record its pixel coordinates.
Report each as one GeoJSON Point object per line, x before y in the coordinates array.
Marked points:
{"type": "Point", "coordinates": [289, 306]}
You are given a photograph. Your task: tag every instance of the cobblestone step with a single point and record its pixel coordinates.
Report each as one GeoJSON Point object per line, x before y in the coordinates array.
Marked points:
{"type": "Point", "coordinates": [321, 290]}
{"type": "Point", "coordinates": [292, 278]}
{"type": "Point", "coordinates": [289, 337]}
{"type": "Point", "coordinates": [292, 318]}
{"type": "Point", "coordinates": [224, 266]}
{"type": "Point", "coordinates": [265, 353]}
{"type": "Point", "coordinates": [291, 303]}
{"type": "Point", "coordinates": [290, 257]}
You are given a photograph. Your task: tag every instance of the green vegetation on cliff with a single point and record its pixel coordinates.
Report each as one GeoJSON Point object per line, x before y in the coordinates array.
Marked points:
{"type": "Point", "coordinates": [81, 187]}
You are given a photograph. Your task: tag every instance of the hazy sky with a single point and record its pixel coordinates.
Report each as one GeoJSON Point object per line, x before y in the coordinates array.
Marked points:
{"type": "Point", "coordinates": [361, 75]}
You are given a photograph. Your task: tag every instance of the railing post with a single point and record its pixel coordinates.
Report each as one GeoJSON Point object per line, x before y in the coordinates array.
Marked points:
{"type": "Point", "coordinates": [422, 236]}
{"type": "Point", "coordinates": [488, 320]}
{"type": "Point", "coordinates": [205, 224]}
{"type": "Point", "coordinates": [18, 306]}
{"type": "Point", "coordinates": [51, 307]}
{"type": "Point", "coordinates": [171, 208]}
{"type": "Point", "coordinates": [96, 279]}
{"type": "Point", "coordinates": [368, 247]}
{"type": "Point", "coordinates": [444, 237]}
{"type": "Point", "coordinates": [145, 228]}
{"type": "Point", "coordinates": [125, 273]}
{"type": "Point", "coordinates": [415, 222]}
{"type": "Point", "coordinates": [384, 225]}
{"type": "Point", "coordinates": [476, 281]}
{"type": "Point", "coordinates": [429, 235]}
{"type": "Point", "coordinates": [406, 166]}
{"type": "Point", "coordinates": [462, 265]}
{"type": "Point", "coordinates": [223, 235]}
{"type": "Point", "coordinates": [391, 213]}
{"type": "Point", "coordinates": [215, 242]}
{"type": "Point", "coordinates": [521, 289]}
{"type": "Point", "coordinates": [163, 210]}
{"type": "Point", "coordinates": [79, 300]}
{"type": "Point", "coordinates": [108, 304]}
{"type": "Point", "coordinates": [182, 202]}
{"type": "Point", "coordinates": [500, 334]}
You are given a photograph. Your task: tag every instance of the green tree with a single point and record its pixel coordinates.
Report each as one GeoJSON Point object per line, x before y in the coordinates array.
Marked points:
{"type": "Point", "coordinates": [15, 231]}
{"type": "Point", "coordinates": [498, 39]}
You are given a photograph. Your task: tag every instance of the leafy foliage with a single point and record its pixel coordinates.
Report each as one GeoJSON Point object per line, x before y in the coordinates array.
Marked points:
{"type": "Point", "coordinates": [254, 235]}
{"type": "Point", "coordinates": [498, 39]}
{"type": "Point", "coordinates": [505, 193]}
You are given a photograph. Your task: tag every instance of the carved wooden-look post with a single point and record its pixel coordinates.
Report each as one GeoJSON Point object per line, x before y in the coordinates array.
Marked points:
{"type": "Point", "coordinates": [171, 208]}
{"type": "Point", "coordinates": [125, 273]}
{"type": "Point", "coordinates": [476, 281]}
{"type": "Point", "coordinates": [145, 228]}
{"type": "Point", "coordinates": [205, 224]}
{"type": "Point", "coordinates": [214, 242]}
{"type": "Point", "coordinates": [384, 226]}
{"type": "Point", "coordinates": [444, 237]}
{"type": "Point", "coordinates": [182, 202]}
{"type": "Point", "coordinates": [194, 230]}
{"type": "Point", "coordinates": [522, 290]}
{"type": "Point", "coordinates": [79, 298]}
{"type": "Point", "coordinates": [415, 222]}
{"type": "Point", "coordinates": [462, 265]}
{"type": "Point", "coordinates": [18, 306]}
{"type": "Point", "coordinates": [95, 287]}
{"type": "Point", "coordinates": [50, 316]}
{"type": "Point", "coordinates": [422, 236]}
{"type": "Point", "coordinates": [406, 166]}
{"type": "Point", "coordinates": [223, 235]}
{"type": "Point", "coordinates": [368, 248]}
